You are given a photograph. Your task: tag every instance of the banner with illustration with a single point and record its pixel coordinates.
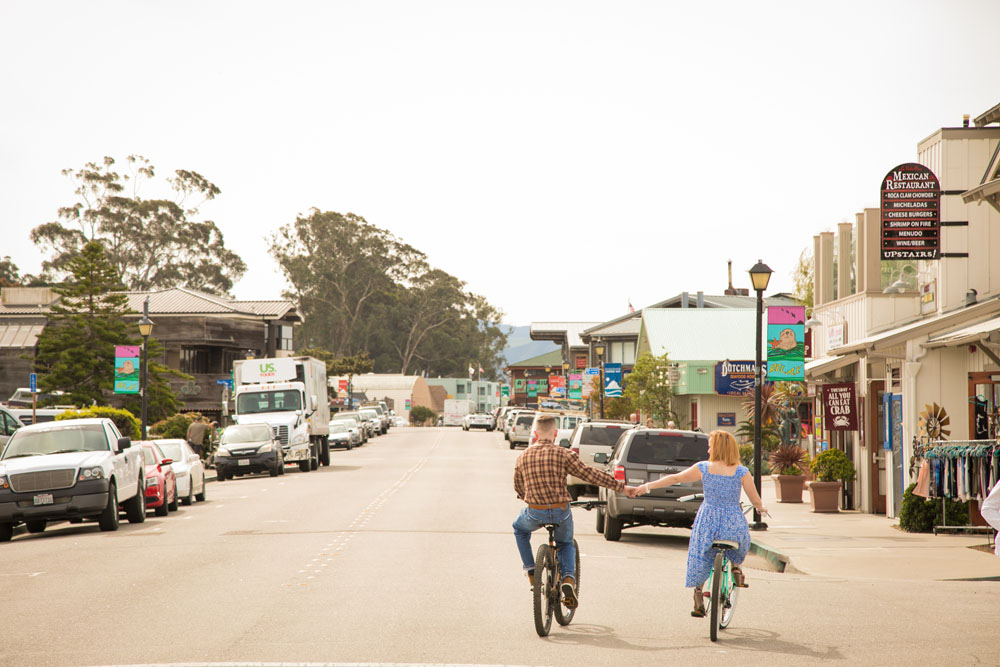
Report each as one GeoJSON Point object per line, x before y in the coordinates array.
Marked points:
{"type": "Point", "coordinates": [613, 380]}
{"type": "Point", "coordinates": [786, 343]}
{"type": "Point", "coordinates": [576, 386]}
{"type": "Point", "coordinates": [127, 369]}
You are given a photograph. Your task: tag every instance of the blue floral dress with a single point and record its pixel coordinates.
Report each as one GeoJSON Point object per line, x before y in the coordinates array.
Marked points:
{"type": "Point", "coordinates": [719, 518]}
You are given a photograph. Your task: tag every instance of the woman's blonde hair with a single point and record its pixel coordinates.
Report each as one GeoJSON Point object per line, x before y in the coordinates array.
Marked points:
{"type": "Point", "coordinates": [724, 448]}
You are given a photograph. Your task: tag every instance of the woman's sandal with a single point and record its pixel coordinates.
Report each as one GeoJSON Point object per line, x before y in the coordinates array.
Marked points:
{"type": "Point", "coordinates": [699, 603]}
{"type": "Point", "coordinates": [739, 580]}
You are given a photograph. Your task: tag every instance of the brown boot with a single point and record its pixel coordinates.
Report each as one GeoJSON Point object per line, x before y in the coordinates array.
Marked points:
{"type": "Point", "coordinates": [739, 580]}
{"type": "Point", "coordinates": [531, 578]}
{"type": "Point", "coordinates": [699, 603]}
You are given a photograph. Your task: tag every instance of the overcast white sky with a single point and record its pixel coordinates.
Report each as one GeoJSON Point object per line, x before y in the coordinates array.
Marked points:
{"type": "Point", "coordinates": [560, 157]}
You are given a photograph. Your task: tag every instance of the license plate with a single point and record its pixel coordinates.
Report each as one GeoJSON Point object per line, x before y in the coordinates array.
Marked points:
{"type": "Point", "coordinates": [43, 499]}
{"type": "Point", "coordinates": [243, 462]}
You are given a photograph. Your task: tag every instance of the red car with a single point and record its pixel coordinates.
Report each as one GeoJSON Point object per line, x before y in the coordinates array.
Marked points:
{"type": "Point", "coordinates": [161, 483]}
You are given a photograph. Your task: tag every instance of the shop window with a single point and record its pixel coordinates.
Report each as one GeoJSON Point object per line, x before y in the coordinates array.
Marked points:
{"type": "Point", "coordinates": [285, 338]}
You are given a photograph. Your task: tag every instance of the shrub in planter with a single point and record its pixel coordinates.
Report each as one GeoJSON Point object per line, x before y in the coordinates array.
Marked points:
{"type": "Point", "coordinates": [785, 460]}
{"type": "Point", "coordinates": [832, 466]}
{"type": "Point", "coordinates": [419, 414]}
{"type": "Point", "coordinates": [126, 422]}
{"type": "Point", "coordinates": [176, 426]}
{"type": "Point", "coordinates": [920, 515]}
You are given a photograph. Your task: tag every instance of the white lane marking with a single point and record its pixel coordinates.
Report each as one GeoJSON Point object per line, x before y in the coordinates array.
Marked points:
{"type": "Point", "coordinates": [312, 664]}
{"type": "Point", "coordinates": [20, 574]}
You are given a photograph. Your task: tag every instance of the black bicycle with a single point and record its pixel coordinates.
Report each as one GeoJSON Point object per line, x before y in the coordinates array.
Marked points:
{"type": "Point", "coordinates": [548, 600]}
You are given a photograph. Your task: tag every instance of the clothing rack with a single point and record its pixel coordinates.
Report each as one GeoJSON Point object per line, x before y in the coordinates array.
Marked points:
{"type": "Point", "coordinates": [952, 449]}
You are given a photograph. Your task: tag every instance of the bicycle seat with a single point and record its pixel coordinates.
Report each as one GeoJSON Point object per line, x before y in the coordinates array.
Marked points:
{"type": "Point", "coordinates": [550, 525]}
{"type": "Point", "coordinates": [725, 545]}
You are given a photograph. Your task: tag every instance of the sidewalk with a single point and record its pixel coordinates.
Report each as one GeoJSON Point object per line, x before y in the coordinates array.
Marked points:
{"type": "Point", "coordinates": [856, 545]}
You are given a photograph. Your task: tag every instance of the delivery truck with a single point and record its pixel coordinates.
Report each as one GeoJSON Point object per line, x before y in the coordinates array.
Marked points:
{"type": "Point", "coordinates": [455, 410]}
{"type": "Point", "coordinates": [289, 395]}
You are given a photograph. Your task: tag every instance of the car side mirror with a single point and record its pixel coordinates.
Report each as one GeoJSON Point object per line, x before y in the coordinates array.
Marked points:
{"type": "Point", "coordinates": [564, 443]}
{"type": "Point", "coordinates": [166, 462]}
{"type": "Point", "coordinates": [193, 457]}
{"type": "Point", "coordinates": [123, 444]}
{"type": "Point", "coordinates": [600, 457]}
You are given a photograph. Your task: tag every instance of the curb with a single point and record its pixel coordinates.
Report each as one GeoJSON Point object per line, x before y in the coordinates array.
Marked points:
{"type": "Point", "coordinates": [778, 560]}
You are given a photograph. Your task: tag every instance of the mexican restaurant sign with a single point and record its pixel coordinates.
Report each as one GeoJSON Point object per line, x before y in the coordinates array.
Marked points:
{"type": "Point", "coordinates": [911, 213]}
{"type": "Point", "coordinates": [840, 407]}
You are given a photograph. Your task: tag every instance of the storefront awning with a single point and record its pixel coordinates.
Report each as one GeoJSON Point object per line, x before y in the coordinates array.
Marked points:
{"type": "Point", "coordinates": [969, 335]}
{"type": "Point", "coordinates": [823, 365]}
{"type": "Point", "coordinates": [988, 192]}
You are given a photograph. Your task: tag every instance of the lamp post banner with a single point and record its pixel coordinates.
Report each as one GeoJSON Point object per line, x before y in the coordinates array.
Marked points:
{"type": "Point", "coordinates": [911, 213]}
{"type": "Point", "coordinates": [576, 386]}
{"type": "Point", "coordinates": [786, 343]}
{"type": "Point", "coordinates": [613, 380]}
{"type": "Point", "coordinates": [840, 408]}
{"type": "Point", "coordinates": [127, 369]}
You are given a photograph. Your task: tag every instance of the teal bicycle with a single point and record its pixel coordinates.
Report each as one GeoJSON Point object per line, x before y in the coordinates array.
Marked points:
{"type": "Point", "coordinates": [721, 591]}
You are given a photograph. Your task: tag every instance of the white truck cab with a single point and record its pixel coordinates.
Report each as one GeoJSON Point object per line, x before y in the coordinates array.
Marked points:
{"type": "Point", "coordinates": [289, 395]}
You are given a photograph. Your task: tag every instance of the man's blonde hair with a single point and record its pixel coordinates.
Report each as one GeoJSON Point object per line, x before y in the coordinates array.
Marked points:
{"type": "Point", "coordinates": [724, 448]}
{"type": "Point", "coordinates": [545, 423]}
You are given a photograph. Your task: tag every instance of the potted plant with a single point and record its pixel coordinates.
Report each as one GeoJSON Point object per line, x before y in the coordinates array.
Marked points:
{"type": "Point", "coordinates": [787, 473]}
{"type": "Point", "coordinates": [832, 469]}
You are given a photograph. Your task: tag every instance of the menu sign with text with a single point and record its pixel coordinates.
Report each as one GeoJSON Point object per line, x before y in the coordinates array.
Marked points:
{"type": "Point", "coordinates": [839, 407]}
{"type": "Point", "coordinates": [911, 213]}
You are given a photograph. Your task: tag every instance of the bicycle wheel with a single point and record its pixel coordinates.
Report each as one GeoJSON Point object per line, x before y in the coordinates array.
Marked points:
{"type": "Point", "coordinates": [546, 590]}
{"type": "Point", "coordinates": [730, 594]}
{"type": "Point", "coordinates": [717, 576]}
{"type": "Point", "coordinates": [565, 614]}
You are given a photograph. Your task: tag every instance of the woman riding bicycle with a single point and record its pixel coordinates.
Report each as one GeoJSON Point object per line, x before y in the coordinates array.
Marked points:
{"type": "Point", "coordinates": [720, 516]}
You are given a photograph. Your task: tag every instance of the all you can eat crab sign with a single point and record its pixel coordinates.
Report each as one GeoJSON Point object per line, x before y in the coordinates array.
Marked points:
{"type": "Point", "coordinates": [840, 407]}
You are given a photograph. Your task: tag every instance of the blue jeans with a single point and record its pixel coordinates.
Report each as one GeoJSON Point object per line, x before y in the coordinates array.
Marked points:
{"type": "Point", "coordinates": [530, 520]}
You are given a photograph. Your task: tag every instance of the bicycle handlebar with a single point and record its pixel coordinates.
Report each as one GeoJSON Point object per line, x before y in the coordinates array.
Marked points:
{"type": "Point", "coordinates": [588, 504]}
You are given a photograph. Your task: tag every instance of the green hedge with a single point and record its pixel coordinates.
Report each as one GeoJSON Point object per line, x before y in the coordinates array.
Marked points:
{"type": "Point", "coordinates": [920, 515]}
{"type": "Point", "coordinates": [176, 426]}
{"type": "Point", "coordinates": [126, 422]}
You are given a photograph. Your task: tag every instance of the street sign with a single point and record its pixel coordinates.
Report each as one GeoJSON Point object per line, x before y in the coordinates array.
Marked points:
{"type": "Point", "coordinates": [505, 392]}
{"type": "Point", "coordinates": [228, 383]}
{"type": "Point", "coordinates": [33, 381]}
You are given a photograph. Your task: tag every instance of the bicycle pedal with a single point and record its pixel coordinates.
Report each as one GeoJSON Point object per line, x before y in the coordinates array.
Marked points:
{"type": "Point", "coordinates": [698, 614]}
{"type": "Point", "coordinates": [742, 585]}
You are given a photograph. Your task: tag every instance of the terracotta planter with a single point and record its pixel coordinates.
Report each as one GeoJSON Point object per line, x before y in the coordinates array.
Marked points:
{"type": "Point", "coordinates": [789, 488]}
{"type": "Point", "coordinates": [824, 496]}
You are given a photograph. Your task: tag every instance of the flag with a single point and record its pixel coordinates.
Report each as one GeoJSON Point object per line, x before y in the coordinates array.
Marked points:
{"type": "Point", "coordinates": [481, 370]}
{"type": "Point", "coordinates": [631, 308]}
{"type": "Point", "coordinates": [472, 371]}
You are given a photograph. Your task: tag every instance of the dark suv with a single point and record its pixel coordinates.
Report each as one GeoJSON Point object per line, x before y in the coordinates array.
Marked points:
{"type": "Point", "coordinates": [641, 456]}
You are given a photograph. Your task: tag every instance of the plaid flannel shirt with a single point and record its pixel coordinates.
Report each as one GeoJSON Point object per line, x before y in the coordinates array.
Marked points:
{"type": "Point", "coordinates": [540, 475]}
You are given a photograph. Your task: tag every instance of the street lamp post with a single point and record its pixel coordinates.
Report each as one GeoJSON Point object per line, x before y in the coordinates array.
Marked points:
{"type": "Point", "coordinates": [599, 351]}
{"type": "Point", "coordinates": [548, 377]}
{"type": "Point", "coordinates": [145, 329]}
{"type": "Point", "coordinates": [566, 381]}
{"type": "Point", "coordinates": [760, 275]}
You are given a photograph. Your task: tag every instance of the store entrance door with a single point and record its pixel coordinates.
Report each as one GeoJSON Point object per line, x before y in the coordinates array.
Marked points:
{"type": "Point", "coordinates": [984, 419]}
{"type": "Point", "coordinates": [876, 439]}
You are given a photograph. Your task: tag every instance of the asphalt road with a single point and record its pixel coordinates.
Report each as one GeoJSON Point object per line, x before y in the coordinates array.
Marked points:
{"type": "Point", "coordinates": [401, 552]}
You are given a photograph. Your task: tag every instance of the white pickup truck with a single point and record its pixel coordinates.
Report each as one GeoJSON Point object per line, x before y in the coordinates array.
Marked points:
{"type": "Point", "coordinates": [75, 469]}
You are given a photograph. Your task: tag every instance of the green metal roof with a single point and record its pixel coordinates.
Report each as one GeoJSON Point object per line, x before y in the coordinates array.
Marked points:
{"type": "Point", "coordinates": [553, 358]}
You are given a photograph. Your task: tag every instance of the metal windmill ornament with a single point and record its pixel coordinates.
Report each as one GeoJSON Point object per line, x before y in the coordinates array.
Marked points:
{"type": "Point", "coordinates": [934, 421]}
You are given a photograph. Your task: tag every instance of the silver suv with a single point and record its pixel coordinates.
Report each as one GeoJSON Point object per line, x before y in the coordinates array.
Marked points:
{"type": "Point", "coordinates": [520, 430]}
{"type": "Point", "coordinates": [641, 456]}
{"type": "Point", "coordinates": [591, 438]}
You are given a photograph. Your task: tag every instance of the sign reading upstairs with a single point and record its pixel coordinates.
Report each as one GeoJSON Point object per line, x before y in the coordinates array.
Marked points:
{"type": "Point", "coordinates": [911, 213]}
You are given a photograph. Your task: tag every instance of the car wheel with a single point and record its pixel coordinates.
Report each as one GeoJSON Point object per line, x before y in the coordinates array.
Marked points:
{"type": "Point", "coordinates": [174, 505]}
{"type": "Point", "coordinates": [162, 509]}
{"type": "Point", "coordinates": [281, 468]}
{"type": "Point", "coordinates": [276, 470]}
{"type": "Point", "coordinates": [108, 520]}
{"type": "Point", "coordinates": [6, 532]}
{"type": "Point", "coordinates": [349, 446]}
{"type": "Point", "coordinates": [599, 527]}
{"type": "Point", "coordinates": [135, 507]}
{"type": "Point", "coordinates": [36, 525]}
{"type": "Point", "coordinates": [325, 455]}
{"type": "Point", "coordinates": [190, 496]}
{"type": "Point", "coordinates": [512, 445]}
{"type": "Point", "coordinates": [612, 528]}
{"type": "Point", "coordinates": [200, 497]}
{"type": "Point", "coordinates": [305, 466]}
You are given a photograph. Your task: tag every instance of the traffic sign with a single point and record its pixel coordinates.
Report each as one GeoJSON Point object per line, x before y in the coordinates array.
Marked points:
{"type": "Point", "coordinates": [33, 380]}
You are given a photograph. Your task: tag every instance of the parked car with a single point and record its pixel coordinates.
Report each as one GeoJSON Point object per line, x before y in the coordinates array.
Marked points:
{"type": "Point", "coordinates": [8, 424]}
{"type": "Point", "coordinates": [383, 416]}
{"type": "Point", "coordinates": [82, 468]}
{"type": "Point", "coordinates": [400, 421]}
{"type": "Point", "coordinates": [645, 455]}
{"type": "Point", "coordinates": [590, 438]}
{"type": "Point", "coordinates": [520, 430]}
{"type": "Point", "coordinates": [23, 397]}
{"type": "Point", "coordinates": [341, 435]}
{"type": "Point", "coordinates": [250, 448]}
{"type": "Point", "coordinates": [161, 482]}
{"type": "Point", "coordinates": [188, 469]}
{"type": "Point", "coordinates": [41, 415]}
{"type": "Point", "coordinates": [478, 420]}
{"type": "Point", "coordinates": [371, 417]}
{"type": "Point", "coordinates": [354, 421]}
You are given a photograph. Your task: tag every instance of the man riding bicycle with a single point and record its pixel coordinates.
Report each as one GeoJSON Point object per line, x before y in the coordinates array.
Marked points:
{"type": "Point", "coordinates": [540, 481]}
